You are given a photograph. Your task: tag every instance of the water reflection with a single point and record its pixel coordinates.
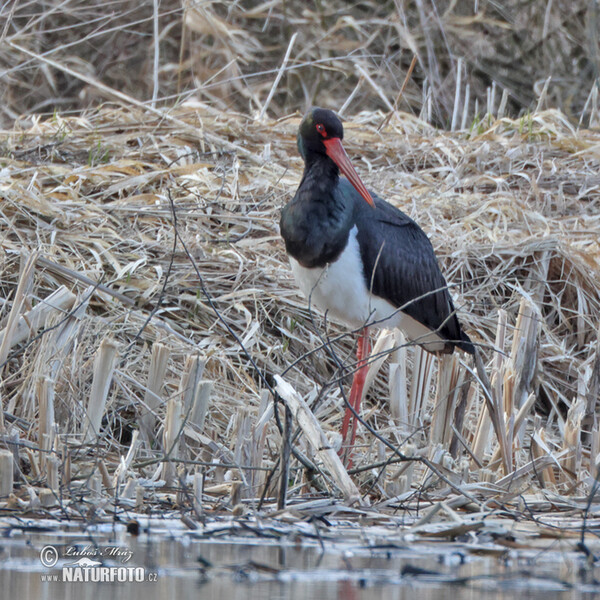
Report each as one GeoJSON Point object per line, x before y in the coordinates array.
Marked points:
{"type": "Point", "coordinates": [230, 569]}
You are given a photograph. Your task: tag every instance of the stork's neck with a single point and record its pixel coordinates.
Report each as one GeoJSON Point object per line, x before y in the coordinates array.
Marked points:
{"type": "Point", "coordinates": [320, 177]}
{"type": "Point", "coordinates": [316, 223]}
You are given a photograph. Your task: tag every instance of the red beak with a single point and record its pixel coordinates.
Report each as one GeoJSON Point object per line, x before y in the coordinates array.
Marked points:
{"type": "Point", "coordinates": [337, 154]}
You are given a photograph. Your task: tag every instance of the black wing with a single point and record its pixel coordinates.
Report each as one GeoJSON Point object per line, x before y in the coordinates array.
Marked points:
{"type": "Point", "coordinates": [401, 267]}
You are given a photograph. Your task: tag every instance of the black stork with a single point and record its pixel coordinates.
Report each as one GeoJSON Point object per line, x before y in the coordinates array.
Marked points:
{"type": "Point", "coordinates": [361, 259]}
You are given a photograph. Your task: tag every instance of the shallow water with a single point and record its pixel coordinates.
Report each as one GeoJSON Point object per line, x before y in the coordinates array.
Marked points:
{"type": "Point", "coordinates": [177, 563]}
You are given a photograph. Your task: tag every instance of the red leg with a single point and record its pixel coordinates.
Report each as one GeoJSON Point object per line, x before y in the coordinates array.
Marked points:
{"type": "Point", "coordinates": [358, 383]}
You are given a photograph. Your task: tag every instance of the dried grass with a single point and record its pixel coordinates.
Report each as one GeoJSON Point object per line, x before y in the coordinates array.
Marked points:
{"type": "Point", "coordinates": [144, 282]}
{"type": "Point", "coordinates": [471, 58]}
{"type": "Point", "coordinates": [511, 208]}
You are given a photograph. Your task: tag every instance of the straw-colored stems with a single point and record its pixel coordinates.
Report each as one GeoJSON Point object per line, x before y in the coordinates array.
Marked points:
{"type": "Point", "coordinates": [198, 492]}
{"type": "Point", "coordinates": [129, 488]}
{"type": "Point", "coordinates": [106, 479]}
{"type": "Point", "coordinates": [35, 472]}
{"type": "Point", "coordinates": [594, 450]}
{"type": "Point", "coordinates": [259, 434]}
{"type": "Point", "coordinates": [98, 289]}
{"type": "Point", "coordinates": [419, 388]}
{"type": "Point", "coordinates": [349, 99]}
{"type": "Point", "coordinates": [6, 473]}
{"type": "Point", "coordinates": [519, 421]}
{"type": "Point", "coordinates": [139, 497]}
{"type": "Point", "coordinates": [204, 391]}
{"type": "Point", "coordinates": [104, 365]}
{"type": "Point", "coordinates": [243, 447]}
{"type": "Point", "coordinates": [381, 349]}
{"type": "Point", "coordinates": [456, 108]}
{"type": "Point", "coordinates": [491, 98]}
{"type": "Point", "coordinates": [11, 331]}
{"type": "Point", "coordinates": [440, 457]}
{"type": "Point", "coordinates": [125, 463]}
{"type": "Point", "coordinates": [401, 478]}
{"type": "Point", "coordinates": [45, 395]}
{"type": "Point", "coordinates": [377, 88]}
{"type": "Point", "coordinates": [413, 64]}
{"type": "Point", "coordinates": [448, 386]}
{"type": "Point", "coordinates": [539, 448]}
{"type": "Point", "coordinates": [542, 95]}
{"type": "Point", "coordinates": [572, 436]}
{"type": "Point", "coordinates": [507, 391]}
{"type": "Point", "coordinates": [483, 431]}
{"type": "Point", "coordinates": [52, 476]}
{"type": "Point", "coordinates": [317, 439]}
{"type": "Point", "coordinates": [61, 300]}
{"type": "Point", "coordinates": [499, 357]}
{"type": "Point", "coordinates": [398, 382]}
{"type": "Point", "coordinates": [465, 394]}
{"type": "Point", "coordinates": [190, 390]}
{"type": "Point", "coordinates": [507, 403]}
{"type": "Point", "coordinates": [46, 498]}
{"type": "Point", "coordinates": [286, 58]}
{"type": "Point", "coordinates": [503, 103]}
{"type": "Point", "coordinates": [591, 392]}
{"type": "Point", "coordinates": [95, 486]}
{"type": "Point", "coordinates": [50, 360]}
{"type": "Point", "coordinates": [66, 458]}
{"type": "Point", "coordinates": [46, 445]}
{"type": "Point", "coordinates": [498, 376]}
{"type": "Point", "coordinates": [524, 353]}
{"type": "Point", "coordinates": [493, 404]}
{"type": "Point", "coordinates": [235, 495]}
{"type": "Point", "coordinates": [172, 437]}
{"type": "Point", "coordinates": [501, 433]}
{"type": "Point", "coordinates": [195, 392]}
{"type": "Point", "coordinates": [465, 113]}
{"type": "Point", "coordinates": [154, 384]}
{"type": "Point", "coordinates": [18, 301]}
{"type": "Point", "coordinates": [516, 478]}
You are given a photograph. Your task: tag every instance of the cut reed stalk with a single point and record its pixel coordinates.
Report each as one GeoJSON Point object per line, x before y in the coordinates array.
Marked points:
{"type": "Point", "coordinates": [154, 384]}
{"type": "Point", "coordinates": [317, 439]}
{"type": "Point", "coordinates": [572, 436]}
{"type": "Point", "coordinates": [104, 365]}
{"type": "Point", "coordinates": [423, 364]}
{"type": "Point", "coordinates": [447, 389]}
{"type": "Point", "coordinates": [6, 473]}
{"type": "Point", "coordinates": [398, 385]}
{"type": "Point", "coordinates": [31, 321]}
{"type": "Point", "coordinates": [195, 403]}
{"type": "Point", "coordinates": [172, 430]}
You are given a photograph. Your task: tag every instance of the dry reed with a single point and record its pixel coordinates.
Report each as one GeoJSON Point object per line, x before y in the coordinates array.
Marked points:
{"type": "Point", "coordinates": [145, 289]}
{"type": "Point", "coordinates": [469, 57]}
{"type": "Point", "coordinates": [512, 210]}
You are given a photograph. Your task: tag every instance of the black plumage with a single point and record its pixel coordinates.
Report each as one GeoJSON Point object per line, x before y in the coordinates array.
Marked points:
{"type": "Point", "coordinates": [398, 260]}
{"type": "Point", "coordinates": [400, 266]}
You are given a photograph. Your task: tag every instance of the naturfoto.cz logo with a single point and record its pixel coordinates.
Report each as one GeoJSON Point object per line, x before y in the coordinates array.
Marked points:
{"type": "Point", "coordinates": [87, 567]}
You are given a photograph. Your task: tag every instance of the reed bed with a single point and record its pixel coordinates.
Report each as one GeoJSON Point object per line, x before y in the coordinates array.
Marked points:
{"type": "Point", "coordinates": [152, 335]}
{"type": "Point", "coordinates": [471, 57]}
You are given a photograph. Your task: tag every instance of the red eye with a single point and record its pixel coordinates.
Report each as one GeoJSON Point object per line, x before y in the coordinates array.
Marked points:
{"type": "Point", "coordinates": [321, 129]}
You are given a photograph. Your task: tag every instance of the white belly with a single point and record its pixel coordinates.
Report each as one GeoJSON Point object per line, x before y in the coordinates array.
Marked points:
{"type": "Point", "coordinates": [339, 289]}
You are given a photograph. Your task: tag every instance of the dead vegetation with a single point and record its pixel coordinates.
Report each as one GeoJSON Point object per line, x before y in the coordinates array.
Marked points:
{"type": "Point", "coordinates": [473, 58]}
{"type": "Point", "coordinates": [148, 306]}
{"type": "Point", "coordinates": [148, 313]}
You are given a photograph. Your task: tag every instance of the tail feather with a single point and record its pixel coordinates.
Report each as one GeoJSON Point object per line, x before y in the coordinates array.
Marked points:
{"type": "Point", "coordinates": [465, 343]}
